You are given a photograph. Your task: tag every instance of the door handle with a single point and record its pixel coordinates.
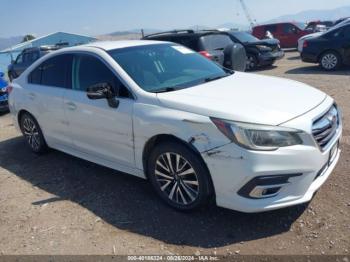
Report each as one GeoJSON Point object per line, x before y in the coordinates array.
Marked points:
{"type": "Point", "coordinates": [71, 106]}
{"type": "Point", "coordinates": [31, 96]}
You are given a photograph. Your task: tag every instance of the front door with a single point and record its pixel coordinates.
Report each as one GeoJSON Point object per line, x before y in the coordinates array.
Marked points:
{"type": "Point", "coordinates": [95, 128]}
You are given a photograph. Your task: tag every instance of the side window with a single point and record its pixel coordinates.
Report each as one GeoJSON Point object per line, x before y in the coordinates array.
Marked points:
{"type": "Point", "coordinates": [19, 59]}
{"type": "Point", "coordinates": [347, 32]}
{"type": "Point", "coordinates": [289, 29]}
{"type": "Point", "coordinates": [55, 72]}
{"type": "Point", "coordinates": [27, 57]}
{"type": "Point", "coordinates": [89, 70]}
{"type": "Point", "coordinates": [271, 28]}
{"type": "Point", "coordinates": [191, 43]}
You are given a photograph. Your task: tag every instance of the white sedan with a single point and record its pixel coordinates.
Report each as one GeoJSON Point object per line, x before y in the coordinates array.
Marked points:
{"type": "Point", "coordinates": [196, 131]}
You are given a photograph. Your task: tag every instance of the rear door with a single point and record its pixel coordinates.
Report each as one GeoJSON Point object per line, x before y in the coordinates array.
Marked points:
{"type": "Point", "coordinates": [44, 93]}
{"type": "Point", "coordinates": [96, 129]}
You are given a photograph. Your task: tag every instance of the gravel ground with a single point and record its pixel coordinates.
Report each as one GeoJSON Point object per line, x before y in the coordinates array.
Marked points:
{"type": "Point", "coordinates": [58, 204]}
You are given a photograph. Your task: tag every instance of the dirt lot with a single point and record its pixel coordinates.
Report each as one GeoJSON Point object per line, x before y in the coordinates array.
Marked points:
{"type": "Point", "coordinates": [57, 204]}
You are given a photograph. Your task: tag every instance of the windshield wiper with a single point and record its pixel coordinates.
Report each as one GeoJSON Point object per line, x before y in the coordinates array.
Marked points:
{"type": "Point", "coordinates": [164, 90]}
{"type": "Point", "coordinates": [209, 79]}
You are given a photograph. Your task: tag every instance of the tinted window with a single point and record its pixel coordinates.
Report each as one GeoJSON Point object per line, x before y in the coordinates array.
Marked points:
{"type": "Point", "coordinates": [27, 57]}
{"type": "Point", "coordinates": [89, 71]}
{"type": "Point", "coordinates": [157, 68]}
{"type": "Point", "coordinates": [19, 59]}
{"type": "Point", "coordinates": [54, 72]}
{"type": "Point", "coordinates": [271, 28]}
{"type": "Point", "coordinates": [347, 32]}
{"type": "Point", "coordinates": [215, 42]}
{"type": "Point", "coordinates": [289, 29]}
{"type": "Point", "coordinates": [189, 42]}
{"type": "Point", "coordinates": [244, 37]}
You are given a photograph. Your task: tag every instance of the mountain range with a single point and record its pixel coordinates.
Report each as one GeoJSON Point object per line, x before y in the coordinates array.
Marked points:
{"type": "Point", "coordinates": [304, 16]}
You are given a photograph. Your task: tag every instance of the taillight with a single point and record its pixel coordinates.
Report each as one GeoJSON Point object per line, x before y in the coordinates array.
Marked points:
{"type": "Point", "coordinates": [305, 44]}
{"type": "Point", "coordinates": [9, 89]}
{"type": "Point", "coordinates": [206, 54]}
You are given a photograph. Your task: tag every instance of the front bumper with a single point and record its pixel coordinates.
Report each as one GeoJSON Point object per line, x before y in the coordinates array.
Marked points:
{"type": "Point", "coordinates": [4, 107]}
{"type": "Point", "coordinates": [270, 57]}
{"type": "Point", "coordinates": [232, 168]}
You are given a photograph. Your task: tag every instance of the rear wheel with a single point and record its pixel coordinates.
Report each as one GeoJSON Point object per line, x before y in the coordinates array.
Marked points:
{"type": "Point", "coordinates": [179, 176]}
{"type": "Point", "coordinates": [33, 134]}
{"type": "Point", "coordinates": [330, 61]}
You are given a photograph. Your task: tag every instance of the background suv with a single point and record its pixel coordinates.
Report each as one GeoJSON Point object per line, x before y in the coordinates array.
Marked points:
{"type": "Point", "coordinates": [330, 49]}
{"type": "Point", "coordinates": [214, 45]}
{"type": "Point", "coordinates": [27, 57]}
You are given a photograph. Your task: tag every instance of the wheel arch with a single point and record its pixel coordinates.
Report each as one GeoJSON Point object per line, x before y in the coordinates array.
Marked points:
{"type": "Point", "coordinates": [20, 114]}
{"type": "Point", "coordinates": [329, 50]}
{"type": "Point", "coordinates": [162, 138]}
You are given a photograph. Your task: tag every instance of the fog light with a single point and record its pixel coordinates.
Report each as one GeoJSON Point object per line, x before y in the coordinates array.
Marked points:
{"type": "Point", "coordinates": [265, 186]}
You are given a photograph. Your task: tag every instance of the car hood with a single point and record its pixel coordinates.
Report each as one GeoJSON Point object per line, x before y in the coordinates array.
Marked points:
{"type": "Point", "coordinates": [246, 98]}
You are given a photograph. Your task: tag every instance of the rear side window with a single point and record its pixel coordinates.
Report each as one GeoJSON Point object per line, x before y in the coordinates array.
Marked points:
{"type": "Point", "coordinates": [189, 42]}
{"type": "Point", "coordinates": [215, 42]}
{"type": "Point", "coordinates": [54, 72]}
{"type": "Point", "coordinates": [289, 29]}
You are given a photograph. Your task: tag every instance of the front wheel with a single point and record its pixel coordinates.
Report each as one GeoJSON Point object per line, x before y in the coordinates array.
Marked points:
{"type": "Point", "coordinates": [252, 62]}
{"type": "Point", "coordinates": [33, 134]}
{"type": "Point", "coordinates": [330, 61]}
{"type": "Point", "coordinates": [179, 176]}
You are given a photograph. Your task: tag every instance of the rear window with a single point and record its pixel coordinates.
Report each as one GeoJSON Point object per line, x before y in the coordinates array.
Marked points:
{"type": "Point", "coordinates": [215, 42]}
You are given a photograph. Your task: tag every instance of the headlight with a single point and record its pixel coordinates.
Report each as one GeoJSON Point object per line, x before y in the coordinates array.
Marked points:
{"type": "Point", "coordinates": [258, 137]}
{"type": "Point", "coordinates": [264, 48]}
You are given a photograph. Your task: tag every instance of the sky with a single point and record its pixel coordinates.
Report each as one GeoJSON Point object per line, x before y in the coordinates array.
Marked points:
{"type": "Point", "coordinates": [95, 17]}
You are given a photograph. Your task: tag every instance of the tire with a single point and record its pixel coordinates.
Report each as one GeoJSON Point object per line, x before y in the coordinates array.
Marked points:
{"type": "Point", "coordinates": [10, 76]}
{"type": "Point", "coordinates": [330, 60]}
{"type": "Point", "coordinates": [33, 134]}
{"type": "Point", "coordinates": [252, 62]}
{"type": "Point", "coordinates": [185, 183]}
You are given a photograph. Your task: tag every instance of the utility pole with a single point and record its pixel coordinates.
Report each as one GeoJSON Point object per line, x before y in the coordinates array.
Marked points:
{"type": "Point", "coordinates": [247, 14]}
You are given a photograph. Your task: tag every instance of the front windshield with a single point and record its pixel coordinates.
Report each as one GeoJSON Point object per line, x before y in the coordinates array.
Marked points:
{"type": "Point", "coordinates": [302, 26]}
{"type": "Point", "coordinates": [166, 67]}
{"type": "Point", "coordinates": [244, 37]}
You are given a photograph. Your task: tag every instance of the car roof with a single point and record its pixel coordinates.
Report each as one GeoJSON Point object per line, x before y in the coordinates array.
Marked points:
{"type": "Point", "coordinates": [185, 33]}
{"type": "Point", "coordinates": [110, 45]}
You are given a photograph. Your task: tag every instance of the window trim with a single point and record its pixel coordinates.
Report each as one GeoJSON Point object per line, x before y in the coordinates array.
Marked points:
{"type": "Point", "coordinates": [133, 96]}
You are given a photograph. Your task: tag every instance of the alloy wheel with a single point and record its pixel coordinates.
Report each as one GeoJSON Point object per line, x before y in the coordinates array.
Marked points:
{"type": "Point", "coordinates": [177, 178]}
{"type": "Point", "coordinates": [31, 133]}
{"type": "Point", "coordinates": [329, 61]}
{"type": "Point", "coordinates": [251, 64]}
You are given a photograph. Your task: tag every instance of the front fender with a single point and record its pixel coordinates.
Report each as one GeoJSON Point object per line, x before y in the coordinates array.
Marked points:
{"type": "Point", "coordinates": [152, 120]}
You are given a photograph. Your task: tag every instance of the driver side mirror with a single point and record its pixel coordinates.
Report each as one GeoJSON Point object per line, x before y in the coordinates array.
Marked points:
{"type": "Point", "coordinates": [103, 91]}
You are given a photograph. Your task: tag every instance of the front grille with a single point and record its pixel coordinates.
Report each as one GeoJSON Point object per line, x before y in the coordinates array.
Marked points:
{"type": "Point", "coordinates": [324, 128]}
